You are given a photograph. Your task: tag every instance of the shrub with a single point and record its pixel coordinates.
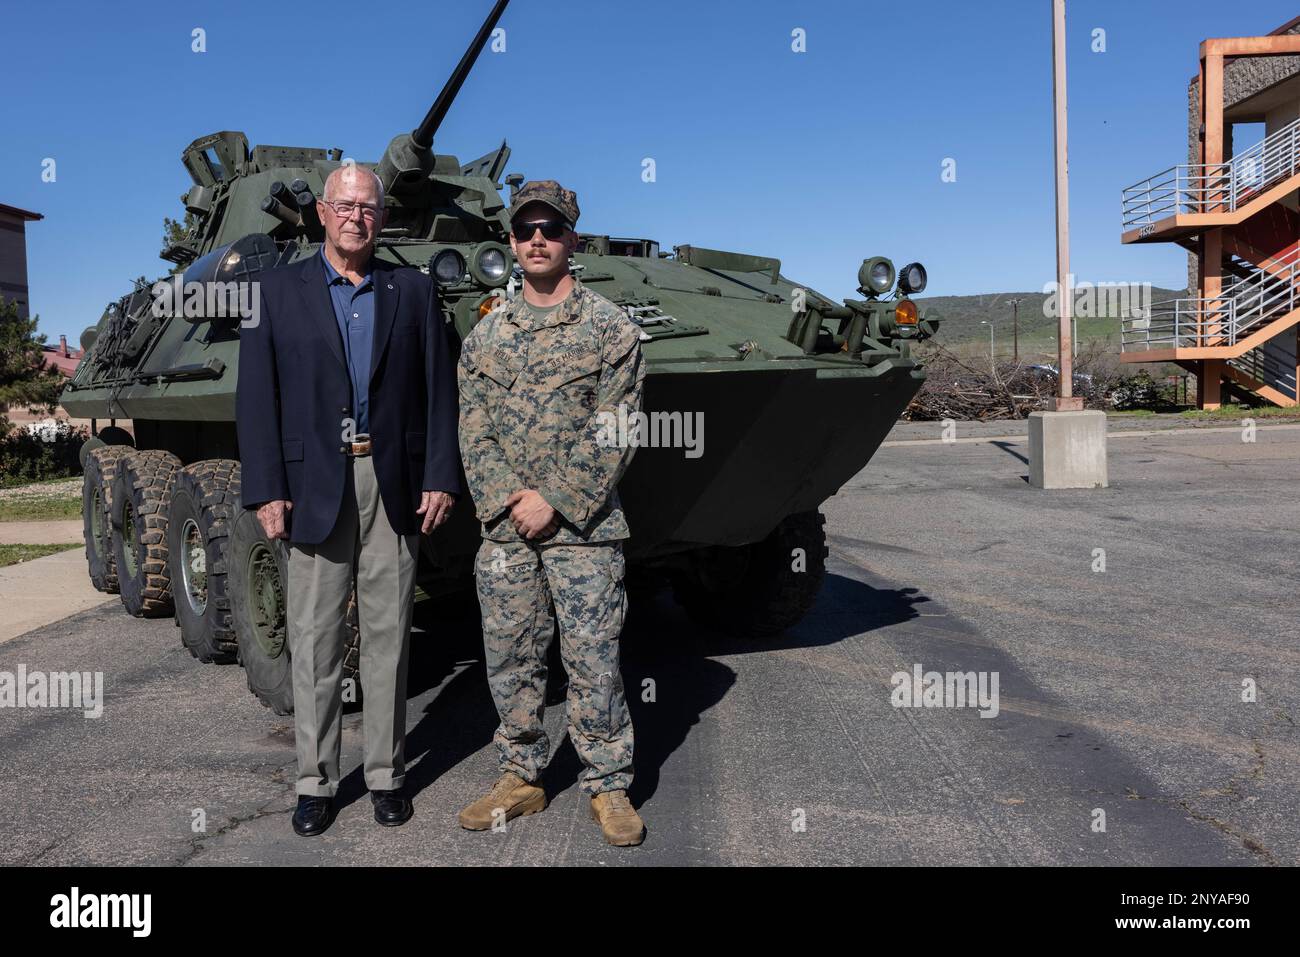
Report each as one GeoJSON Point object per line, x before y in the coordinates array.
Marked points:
{"type": "Point", "coordinates": [43, 452]}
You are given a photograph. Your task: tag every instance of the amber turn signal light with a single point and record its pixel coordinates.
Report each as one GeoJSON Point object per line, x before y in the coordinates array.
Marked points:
{"type": "Point", "coordinates": [488, 304]}
{"type": "Point", "coordinates": [905, 313]}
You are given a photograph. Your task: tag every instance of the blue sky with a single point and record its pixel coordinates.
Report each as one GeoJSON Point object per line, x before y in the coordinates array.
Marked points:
{"type": "Point", "coordinates": [819, 158]}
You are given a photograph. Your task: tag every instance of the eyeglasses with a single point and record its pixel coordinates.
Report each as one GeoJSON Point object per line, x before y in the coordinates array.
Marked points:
{"type": "Point", "coordinates": [345, 208]}
{"type": "Point", "coordinates": [551, 228]}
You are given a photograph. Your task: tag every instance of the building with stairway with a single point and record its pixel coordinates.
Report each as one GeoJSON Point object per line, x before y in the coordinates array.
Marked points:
{"type": "Point", "coordinates": [1236, 208]}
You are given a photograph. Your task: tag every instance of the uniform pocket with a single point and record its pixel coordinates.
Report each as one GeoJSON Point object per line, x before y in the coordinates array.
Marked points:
{"type": "Point", "coordinates": [602, 701]}
{"type": "Point", "coordinates": [498, 370]}
{"type": "Point", "coordinates": [572, 384]}
{"type": "Point", "coordinates": [579, 368]}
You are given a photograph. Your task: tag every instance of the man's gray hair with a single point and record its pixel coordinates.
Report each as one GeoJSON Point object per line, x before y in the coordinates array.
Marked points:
{"type": "Point", "coordinates": [354, 168]}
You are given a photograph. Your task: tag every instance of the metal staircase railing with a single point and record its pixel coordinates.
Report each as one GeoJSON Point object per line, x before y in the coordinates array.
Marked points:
{"type": "Point", "coordinates": [1216, 187]}
{"type": "Point", "coordinates": [1268, 368]}
{"type": "Point", "coordinates": [1244, 306]}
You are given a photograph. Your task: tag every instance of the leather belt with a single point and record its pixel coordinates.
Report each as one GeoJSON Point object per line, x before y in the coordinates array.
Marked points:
{"type": "Point", "coordinates": [360, 446]}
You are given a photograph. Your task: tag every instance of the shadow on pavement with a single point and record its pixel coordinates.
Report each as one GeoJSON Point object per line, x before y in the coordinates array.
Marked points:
{"type": "Point", "coordinates": [669, 673]}
{"type": "Point", "coordinates": [1010, 449]}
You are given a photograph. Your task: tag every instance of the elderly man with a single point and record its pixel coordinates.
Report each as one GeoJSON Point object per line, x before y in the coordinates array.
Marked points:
{"type": "Point", "coordinates": [537, 378]}
{"type": "Point", "coordinates": [346, 414]}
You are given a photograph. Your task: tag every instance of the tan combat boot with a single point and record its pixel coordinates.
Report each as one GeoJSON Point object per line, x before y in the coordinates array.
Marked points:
{"type": "Point", "coordinates": [511, 796]}
{"type": "Point", "coordinates": [619, 822]}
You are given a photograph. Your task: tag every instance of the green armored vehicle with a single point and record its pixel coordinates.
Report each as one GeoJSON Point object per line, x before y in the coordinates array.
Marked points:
{"type": "Point", "coordinates": [762, 397]}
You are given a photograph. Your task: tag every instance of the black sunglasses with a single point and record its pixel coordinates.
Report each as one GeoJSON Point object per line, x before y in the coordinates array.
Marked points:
{"type": "Point", "coordinates": [552, 229]}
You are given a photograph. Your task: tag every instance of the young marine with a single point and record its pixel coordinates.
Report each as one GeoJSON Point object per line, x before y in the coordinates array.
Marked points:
{"type": "Point", "coordinates": [537, 378]}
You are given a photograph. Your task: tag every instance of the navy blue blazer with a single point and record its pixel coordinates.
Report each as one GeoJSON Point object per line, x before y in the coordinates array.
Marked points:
{"type": "Point", "coordinates": [294, 396]}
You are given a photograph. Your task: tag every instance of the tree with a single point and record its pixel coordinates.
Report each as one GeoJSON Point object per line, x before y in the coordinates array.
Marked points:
{"type": "Point", "coordinates": [25, 379]}
{"type": "Point", "coordinates": [176, 232]}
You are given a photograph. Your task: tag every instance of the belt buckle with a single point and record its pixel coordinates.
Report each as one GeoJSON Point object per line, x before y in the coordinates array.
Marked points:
{"type": "Point", "coordinates": [361, 444]}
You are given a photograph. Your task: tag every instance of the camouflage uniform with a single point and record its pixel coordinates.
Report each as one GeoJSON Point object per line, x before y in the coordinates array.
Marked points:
{"type": "Point", "coordinates": [531, 391]}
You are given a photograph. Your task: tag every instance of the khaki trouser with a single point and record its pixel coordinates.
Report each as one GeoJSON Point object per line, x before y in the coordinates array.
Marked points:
{"type": "Point", "coordinates": [363, 548]}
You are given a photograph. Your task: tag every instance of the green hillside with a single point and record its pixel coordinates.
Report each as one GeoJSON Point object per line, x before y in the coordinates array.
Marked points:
{"type": "Point", "coordinates": [962, 331]}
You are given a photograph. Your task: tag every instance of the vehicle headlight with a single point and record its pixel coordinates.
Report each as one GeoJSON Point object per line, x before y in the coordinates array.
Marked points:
{"type": "Point", "coordinates": [491, 264]}
{"type": "Point", "coordinates": [876, 275]}
{"type": "Point", "coordinates": [448, 267]}
{"type": "Point", "coordinates": [912, 278]}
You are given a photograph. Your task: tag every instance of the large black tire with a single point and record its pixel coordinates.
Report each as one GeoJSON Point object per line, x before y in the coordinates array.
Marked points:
{"type": "Point", "coordinates": [259, 576]}
{"type": "Point", "coordinates": [204, 501]}
{"type": "Point", "coordinates": [258, 570]}
{"type": "Point", "coordinates": [140, 508]}
{"type": "Point", "coordinates": [96, 515]}
{"type": "Point", "coordinates": [776, 588]}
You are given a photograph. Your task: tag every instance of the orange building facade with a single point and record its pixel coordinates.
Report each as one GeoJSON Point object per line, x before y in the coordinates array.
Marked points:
{"type": "Point", "coordinates": [1237, 212]}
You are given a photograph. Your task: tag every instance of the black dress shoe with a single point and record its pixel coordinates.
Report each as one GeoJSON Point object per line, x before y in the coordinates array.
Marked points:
{"type": "Point", "coordinates": [392, 808]}
{"type": "Point", "coordinates": [313, 816]}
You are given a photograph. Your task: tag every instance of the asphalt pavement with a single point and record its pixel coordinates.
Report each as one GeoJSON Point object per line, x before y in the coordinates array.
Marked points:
{"type": "Point", "coordinates": [1120, 737]}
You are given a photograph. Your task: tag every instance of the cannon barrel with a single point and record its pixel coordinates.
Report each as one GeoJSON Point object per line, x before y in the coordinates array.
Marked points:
{"type": "Point", "coordinates": [422, 135]}
{"type": "Point", "coordinates": [281, 211]}
{"type": "Point", "coordinates": [306, 205]}
{"type": "Point", "coordinates": [284, 195]}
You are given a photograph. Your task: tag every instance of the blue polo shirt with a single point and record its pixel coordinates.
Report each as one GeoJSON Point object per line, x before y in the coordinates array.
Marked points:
{"type": "Point", "coordinates": [354, 310]}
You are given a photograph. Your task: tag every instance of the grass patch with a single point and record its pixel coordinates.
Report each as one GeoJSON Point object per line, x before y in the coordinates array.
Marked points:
{"type": "Point", "coordinates": [1238, 412]}
{"type": "Point", "coordinates": [40, 508]}
{"type": "Point", "coordinates": [13, 554]}
{"type": "Point", "coordinates": [41, 501]}
{"type": "Point", "coordinates": [17, 482]}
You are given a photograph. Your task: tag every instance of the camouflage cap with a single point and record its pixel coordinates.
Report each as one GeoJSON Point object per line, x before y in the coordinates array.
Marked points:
{"type": "Point", "coordinates": [548, 191]}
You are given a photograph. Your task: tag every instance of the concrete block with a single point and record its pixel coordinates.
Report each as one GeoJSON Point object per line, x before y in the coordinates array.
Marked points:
{"type": "Point", "coordinates": [1067, 449]}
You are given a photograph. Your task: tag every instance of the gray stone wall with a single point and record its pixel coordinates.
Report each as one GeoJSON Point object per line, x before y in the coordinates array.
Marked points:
{"type": "Point", "coordinates": [1193, 157]}
{"type": "Point", "coordinates": [1246, 76]}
